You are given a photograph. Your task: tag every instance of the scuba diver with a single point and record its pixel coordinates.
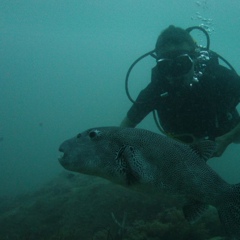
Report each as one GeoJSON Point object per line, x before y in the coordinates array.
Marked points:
{"type": "Point", "coordinates": [194, 96]}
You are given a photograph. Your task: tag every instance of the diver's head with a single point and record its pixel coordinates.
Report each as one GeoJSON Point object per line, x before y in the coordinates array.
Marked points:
{"type": "Point", "coordinates": [175, 51]}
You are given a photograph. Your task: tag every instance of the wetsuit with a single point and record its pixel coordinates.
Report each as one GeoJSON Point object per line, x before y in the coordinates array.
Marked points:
{"type": "Point", "coordinates": [207, 109]}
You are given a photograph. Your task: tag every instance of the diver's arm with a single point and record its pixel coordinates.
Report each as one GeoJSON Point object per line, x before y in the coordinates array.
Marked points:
{"type": "Point", "coordinates": [223, 141]}
{"type": "Point", "coordinates": [126, 122]}
{"type": "Point", "coordinates": [145, 102]}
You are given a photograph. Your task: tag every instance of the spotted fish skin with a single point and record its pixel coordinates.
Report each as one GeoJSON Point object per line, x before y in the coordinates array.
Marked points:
{"type": "Point", "coordinates": [150, 163]}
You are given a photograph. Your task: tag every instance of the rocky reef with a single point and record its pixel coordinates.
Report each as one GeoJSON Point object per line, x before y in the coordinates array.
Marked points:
{"type": "Point", "coordinates": [78, 207]}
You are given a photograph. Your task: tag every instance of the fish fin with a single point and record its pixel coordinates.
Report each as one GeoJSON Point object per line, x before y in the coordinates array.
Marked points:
{"type": "Point", "coordinates": [193, 210]}
{"type": "Point", "coordinates": [205, 149]}
{"type": "Point", "coordinates": [127, 155]}
{"type": "Point", "coordinates": [229, 211]}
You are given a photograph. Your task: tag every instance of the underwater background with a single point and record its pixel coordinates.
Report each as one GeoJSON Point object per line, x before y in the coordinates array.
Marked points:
{"type": "Point", "coordinates": [62, 70]}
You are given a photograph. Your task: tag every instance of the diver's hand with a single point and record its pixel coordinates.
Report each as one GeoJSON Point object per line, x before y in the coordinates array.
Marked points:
{"type": "Point", "coordinates": [222, 143]}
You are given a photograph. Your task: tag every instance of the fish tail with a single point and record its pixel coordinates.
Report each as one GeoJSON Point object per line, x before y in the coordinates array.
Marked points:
{"type": "Point", "coordinates": [229, 211]}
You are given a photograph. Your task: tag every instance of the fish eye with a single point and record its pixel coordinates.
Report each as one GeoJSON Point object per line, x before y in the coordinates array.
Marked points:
{"type": "Point", "coordinates": [92, 134]}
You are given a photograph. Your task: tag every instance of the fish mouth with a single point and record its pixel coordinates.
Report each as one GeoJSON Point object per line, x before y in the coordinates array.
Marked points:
{"type": "Point", "coordinates": [64, 161]}
{"type": "Point", "coordinates": [62, 158]}
{"type": "Point", "coordinates": [63, 154]}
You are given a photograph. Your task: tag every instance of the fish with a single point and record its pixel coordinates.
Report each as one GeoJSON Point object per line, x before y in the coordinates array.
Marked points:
{"type": "Point", "coordinates": [152, 163]}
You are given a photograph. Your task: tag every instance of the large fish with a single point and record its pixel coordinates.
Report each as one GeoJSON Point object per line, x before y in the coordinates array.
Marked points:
{"type": "Point", "coordinates": [149, 162]}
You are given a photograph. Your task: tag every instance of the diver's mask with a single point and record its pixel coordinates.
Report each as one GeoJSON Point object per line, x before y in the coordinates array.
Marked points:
{"type": "Point", "coordinates": [175, 67]}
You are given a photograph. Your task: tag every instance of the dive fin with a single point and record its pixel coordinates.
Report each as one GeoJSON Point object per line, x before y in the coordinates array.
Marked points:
{"type": "Point", "coordinates": [193, 210]}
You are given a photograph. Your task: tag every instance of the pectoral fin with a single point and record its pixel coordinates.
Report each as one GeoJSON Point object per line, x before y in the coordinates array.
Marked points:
{"type": "Point", "coordinates": [127, 157]}
{"type": "Point", "coordinates": [205, 149]}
